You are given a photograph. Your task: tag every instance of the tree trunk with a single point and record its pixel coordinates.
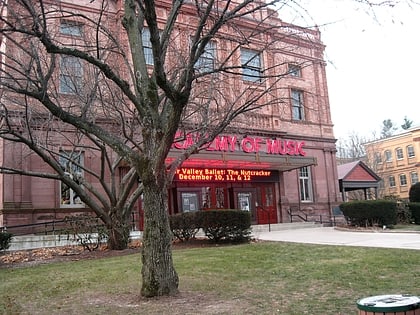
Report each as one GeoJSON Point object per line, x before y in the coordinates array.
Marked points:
{"type": "Point", "coordinates": [118, 236]}
{"type": "Point", "coordinates": [158, 274]}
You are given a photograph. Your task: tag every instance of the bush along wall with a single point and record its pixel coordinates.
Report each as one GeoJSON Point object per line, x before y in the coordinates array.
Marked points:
{"type": "Point", "coordinates": [218, 225]}
{"type": "Point", "coordinates": [185, 225]}
{"type": "Point", "coordinates": [415, 211]}
{"type": "Point", "coordinates": [370, 212]}
{"type": "Point", "coordinates": [5, 239]}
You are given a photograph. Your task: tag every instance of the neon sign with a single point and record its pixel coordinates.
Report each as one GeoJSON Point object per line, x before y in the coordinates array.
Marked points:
{"type": "Point", "coordinates": [223, 175]}
{"type": "Point", "coordinates": [230, 143]}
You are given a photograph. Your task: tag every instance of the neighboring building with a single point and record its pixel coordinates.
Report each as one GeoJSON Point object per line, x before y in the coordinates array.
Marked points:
{"type": "Point", "coordinates": [283, 156]}
{"type": "Point", "coordinates": [397, 161]}
{"type": "Point", "coordinates": [356, 176]}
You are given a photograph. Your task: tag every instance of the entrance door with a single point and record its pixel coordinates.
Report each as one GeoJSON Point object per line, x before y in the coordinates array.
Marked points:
{"type": "Point", "coordinates": [267, 210]}
{"type": "Point", "coordinates": [245, 200]}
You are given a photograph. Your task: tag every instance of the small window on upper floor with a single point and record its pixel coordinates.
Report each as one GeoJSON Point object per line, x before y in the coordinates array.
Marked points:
{"type": "Point", "coordinates": [403, 180]}
{"type": "Point", "coordinates": [378, 158]}
{"type": "Point", "coordinates": [147, 46]}
{"type": "Point", "coordinates": [71, 75]}
{"type": "Point", "coordinates": [410, 151]}
{"type": "Point", "coordinates": [298, 110]}
{"type": "Point", "coordinates": [399, 153]}
{"type": "Point", "coordinates": [251, 65]}
{"type": "Point", "coordinates": [294, 70]}
{"type": "Point", "coordinates": [71, 28]}
{"type": "Point", "coordinates": [388, 156]}
{"type": "Point", "coordinates": [205, 62]}
{"type": "Point", "coordinates": [391, 180]}
{"type": "Point", "coordinates": [414, 177]}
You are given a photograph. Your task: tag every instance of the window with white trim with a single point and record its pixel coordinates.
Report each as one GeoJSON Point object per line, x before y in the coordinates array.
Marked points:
{"type": "Point", "coordinates": [403, 180]}
{"type": "Point", "coordinates": [414, 177]}
{"type": "Point", "coordinates": [391, 180]}
{"type": "Point", "coordinates": [410, 151]}
{"type": "Point", "coordinates": [72, 164]}
{"type": "Point", "coordinates": [205, 62]}
{"type": "Point", "coordinates": [251, 65]}
{"type": "Point", "coordinates": [298, 112]}
{"type": "Point", "coordinates": [71, 75]}
{"type": "Point", "coordinates": [147, 47]}
{"type": "Point", "coordinates": [399, 153]}
{"type": "Point", "coordinates": [305, 184]}
{"type": "Point", "coordinates": [388, 156]}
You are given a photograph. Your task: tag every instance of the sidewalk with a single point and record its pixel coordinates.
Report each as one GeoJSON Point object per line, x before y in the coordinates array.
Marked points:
{"type": "Point", "coordinates": [331, 236]}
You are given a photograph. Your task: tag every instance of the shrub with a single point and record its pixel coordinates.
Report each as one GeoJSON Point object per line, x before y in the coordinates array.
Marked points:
{"type": "Point", "coordinates": [228, 225]}
{"type": "Point", "coordinates": [88, 230]}
{"type": "Point", "coordinates": [184, 225]}
{"type": "Point", "coordinates": [370, 212]}
{"type": "Point", "coordinates": [415, 211]}
{"type": "Point", "coordinates": [5, 239]}
{"type": "Point", "coordinates": [414, 193]}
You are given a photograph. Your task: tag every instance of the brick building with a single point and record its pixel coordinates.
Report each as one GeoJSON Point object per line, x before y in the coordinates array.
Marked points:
{"type": "Point", "coordinates": [396, 160]}
{"type": "Point", "coordinates": [277, 157]}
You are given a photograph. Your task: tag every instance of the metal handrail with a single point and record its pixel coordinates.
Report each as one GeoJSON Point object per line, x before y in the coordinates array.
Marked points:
{"type": "Point", "coordinates": [319, 218]}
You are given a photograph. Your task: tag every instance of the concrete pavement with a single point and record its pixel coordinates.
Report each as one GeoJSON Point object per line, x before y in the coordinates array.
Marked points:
{"type": "Point", "coordinates": [332, 236]}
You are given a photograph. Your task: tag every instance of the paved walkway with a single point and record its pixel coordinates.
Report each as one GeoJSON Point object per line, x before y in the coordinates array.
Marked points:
{"type": "Point", "coordinates": [331, 236]}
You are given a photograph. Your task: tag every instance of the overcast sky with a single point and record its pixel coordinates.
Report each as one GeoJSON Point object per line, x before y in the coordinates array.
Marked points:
{"type": "Point", "coordinates": [373, 66]}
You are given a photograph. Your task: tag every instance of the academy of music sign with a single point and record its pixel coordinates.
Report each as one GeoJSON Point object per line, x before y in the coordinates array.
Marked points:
{"type": "Point", "coordinates": [231, 143]}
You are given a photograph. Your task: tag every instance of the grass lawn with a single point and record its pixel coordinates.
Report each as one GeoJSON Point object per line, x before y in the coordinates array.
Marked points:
{"type": "Point", "coordinates": [257, 278]}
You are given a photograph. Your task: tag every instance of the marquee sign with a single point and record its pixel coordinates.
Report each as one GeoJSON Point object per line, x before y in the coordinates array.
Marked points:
{"type": "Point", "coordinates": [231, 143]}
{"type": "Point", "coordinates": [225, 175]}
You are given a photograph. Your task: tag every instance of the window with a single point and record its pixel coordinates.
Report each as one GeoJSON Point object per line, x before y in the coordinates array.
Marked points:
{"type": "Point", "coordinates": [71, 28]}
{"type": "Point", "coordinates": [414, 178]}
{"type": "Point", "coordinates": [378, 158]}
{"type": "Point", "coordinates": [305, 184]}
{"type": "Point", "coordinates": [72, 163]}
{"type": "Point", "coordinates": [399, 153]}
{"type": "Point", "coordinates": [205, 62]}
{"type": "Point", "coordinates": [147, 47]}
{"type": "Point", "coordinates": [189, 201]}
{"type": "Point", "coordinates": [388, 156]}
{"type": "Point", "coordinates": [391, 181]}
{"type": "Point", "coordinates": [71, 75]}
{"type": "Point", "coordinates": [410, 151]}
{"type": "Point", "coordinates": [294, 70]}
{"type": "Point", "coordinates": [403, 180]}
{"type": "Point", "coordinates": [251, 65]}
{"type": "Point", "coordinates": [297, 105]}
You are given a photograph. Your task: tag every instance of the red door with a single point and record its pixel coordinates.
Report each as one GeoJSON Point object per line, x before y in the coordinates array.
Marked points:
{"type": "Point", "coordinates": [267, 210]}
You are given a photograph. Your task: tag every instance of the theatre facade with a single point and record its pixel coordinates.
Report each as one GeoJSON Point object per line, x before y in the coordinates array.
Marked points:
{"type": "Point", "coordinates": [276, 158]}
{"type": "Point", "coordinates": [265, 174]}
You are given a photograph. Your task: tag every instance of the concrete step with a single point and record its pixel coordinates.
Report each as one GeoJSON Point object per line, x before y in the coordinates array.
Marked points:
{"type": "Point", "coordinates": [24, 242]}
{"type": "Point", "coordinates": [284, 226]}
{"type": "Point", "coordinates": [40, 241]}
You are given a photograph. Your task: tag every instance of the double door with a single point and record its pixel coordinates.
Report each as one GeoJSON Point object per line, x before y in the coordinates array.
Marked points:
{"type": "Point", "coordinates": [259, 199]}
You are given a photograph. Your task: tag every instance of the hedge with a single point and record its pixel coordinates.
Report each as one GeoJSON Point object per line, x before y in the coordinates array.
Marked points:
{"type": "Point", "coordinates": [370, 212]}
{"type": "Point", "coordinates": [218, 225]}
{"type": "Point", "coordinates": [185, 225]}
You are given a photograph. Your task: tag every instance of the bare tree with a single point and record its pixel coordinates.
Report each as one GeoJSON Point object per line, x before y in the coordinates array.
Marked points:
{"type": "Point", "coordinates": [60, 147]}
{"type": "Point", "coordinates": [351, 149]}
{"type": "Point", "coordinates": [130, 92]}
